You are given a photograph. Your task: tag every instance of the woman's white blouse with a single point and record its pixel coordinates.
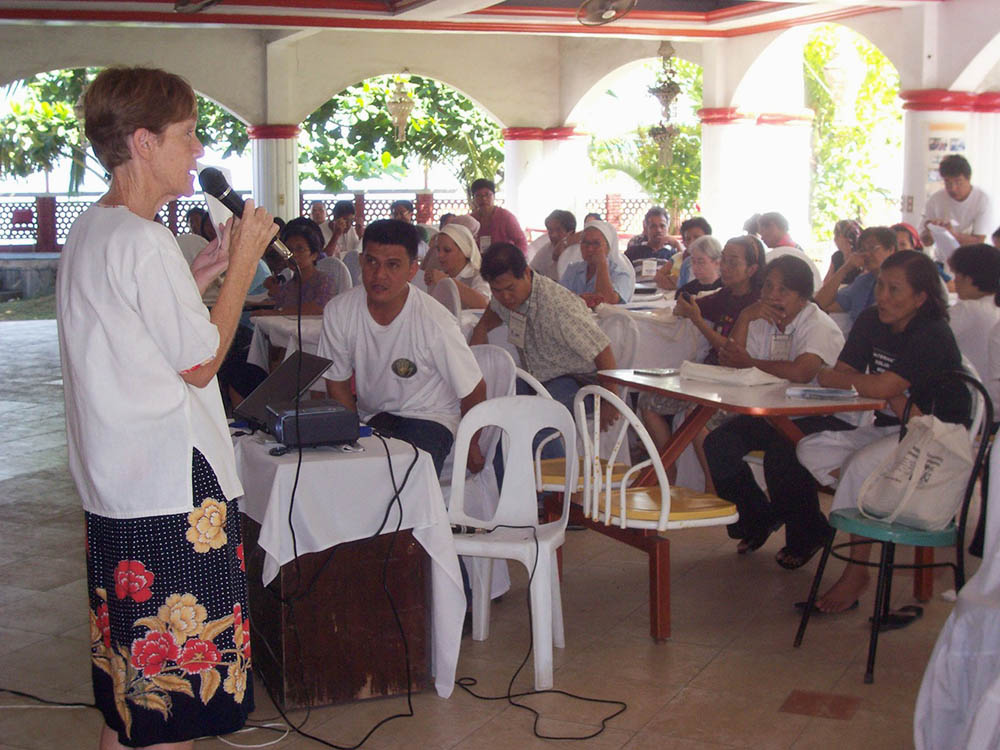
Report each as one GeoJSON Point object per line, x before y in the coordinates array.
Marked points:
{"type": "Point", "coordinates": [130, 321]}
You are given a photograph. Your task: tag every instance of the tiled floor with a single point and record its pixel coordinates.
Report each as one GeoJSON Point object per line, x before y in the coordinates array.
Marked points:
{"type": "Point", "coordinates": [728, 678]}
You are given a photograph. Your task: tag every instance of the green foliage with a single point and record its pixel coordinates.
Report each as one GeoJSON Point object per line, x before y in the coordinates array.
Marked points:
{"type": "Point", "coordinates": [352, 135]}
{"type": "Point", "coordinates": [846, 157]}
{"type": "Point", "coordinates": [676, 184]}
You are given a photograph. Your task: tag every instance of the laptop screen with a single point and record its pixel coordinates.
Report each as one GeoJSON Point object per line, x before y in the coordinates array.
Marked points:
{"type": "Point", "coordinates": [280, 386]}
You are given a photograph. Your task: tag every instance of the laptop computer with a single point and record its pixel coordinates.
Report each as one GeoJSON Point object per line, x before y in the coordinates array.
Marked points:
{"type": "Point", "coordinates": [280, 386]}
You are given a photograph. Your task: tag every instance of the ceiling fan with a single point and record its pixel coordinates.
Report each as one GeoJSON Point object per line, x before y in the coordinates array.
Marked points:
{"type": "Point", "coordinates": [193, 6]}
{"type": "Point", "coordinates": [600, 12]}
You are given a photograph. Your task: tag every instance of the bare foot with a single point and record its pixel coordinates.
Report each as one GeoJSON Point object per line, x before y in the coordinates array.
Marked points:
{"type": "Point", "coordinates": [841, 596]}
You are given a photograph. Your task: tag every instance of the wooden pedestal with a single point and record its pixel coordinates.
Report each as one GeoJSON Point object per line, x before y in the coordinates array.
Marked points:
{"type": "Point", "coordinates": [334, 639]}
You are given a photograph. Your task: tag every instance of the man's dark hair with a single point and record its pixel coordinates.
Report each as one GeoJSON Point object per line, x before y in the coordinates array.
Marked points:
{"type": "Point", "coordinates": [657, 211]}
{"type": "Point", "coordinates": [343, 208]}
{"type": "Point", "coordinates": [885, 236]}
{"type": "Point", "coordinates": [408, 205]}
{"type": "Point", "coordinates": [444, 219]}
{"type": "Point", "coordinates": [565, 219]}
{"type": "Point", "coordinates": [696, 222]}
{"type": "Point", "coordinates": [955, 165]}
{"type": "Point", "coordinates": [795, 274]}
{"type": "Point", "coordinates": [307, 229]}
{"type": "Point", "coordinates": [392, 232]}
{"type": "Point", "coordinates": [481, 183]}
{"type": "Point", "coordinates": [594, 214]}
{"type": "Point", "coordinates": [981, 263]}
{"type": "Point", "coordinates": [773, 217]}
{"type": "Point", "coordinates": [500, 258]}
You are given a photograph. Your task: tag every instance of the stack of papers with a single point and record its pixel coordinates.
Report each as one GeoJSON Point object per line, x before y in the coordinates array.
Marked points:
{"type": "Point", "coordinates": [728, 375]}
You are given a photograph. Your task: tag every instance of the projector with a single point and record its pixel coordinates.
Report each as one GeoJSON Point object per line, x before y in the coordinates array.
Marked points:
{"type": "Point", "coordinates": [320, 422]}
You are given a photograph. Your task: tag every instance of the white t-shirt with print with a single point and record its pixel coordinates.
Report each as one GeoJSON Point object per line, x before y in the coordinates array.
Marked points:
{"type": "Point", "coordinates": [974, 215]}
{"type": "Point", "coordinates": [418, 366]}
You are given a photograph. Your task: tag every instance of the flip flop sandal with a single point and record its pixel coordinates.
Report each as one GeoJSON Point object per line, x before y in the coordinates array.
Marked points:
{"type": "Point", "coordinates": [801, 606]}
{"type": "Point", "coordinates": [901, 617]}
{"type": "Point", "coordinates": [790, 560]}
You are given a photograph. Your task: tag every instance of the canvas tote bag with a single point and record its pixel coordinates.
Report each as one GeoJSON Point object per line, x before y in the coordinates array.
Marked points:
{"type": "Point", "coordinates": [922, 482]}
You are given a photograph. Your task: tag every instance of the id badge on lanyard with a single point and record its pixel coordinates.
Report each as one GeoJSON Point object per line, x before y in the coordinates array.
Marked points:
{"type": "Point", "coordinates": [781, 346]}
{"type": "Point", "coordinates": [517, 324]}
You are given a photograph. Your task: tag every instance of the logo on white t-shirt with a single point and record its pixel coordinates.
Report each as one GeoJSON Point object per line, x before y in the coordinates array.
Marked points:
{"type": "Point", "coordinates": [404, 367]}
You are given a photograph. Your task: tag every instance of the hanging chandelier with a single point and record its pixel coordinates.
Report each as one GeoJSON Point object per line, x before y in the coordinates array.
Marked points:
{"type": "Point", "coordinates": [400, 105]}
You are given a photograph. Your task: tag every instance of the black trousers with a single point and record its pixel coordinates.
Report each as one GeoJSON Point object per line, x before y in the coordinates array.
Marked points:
{"type": "Point", "coordinates": [794, 500]}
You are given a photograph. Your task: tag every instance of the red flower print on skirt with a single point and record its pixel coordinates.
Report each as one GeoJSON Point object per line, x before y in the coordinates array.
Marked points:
{"type": "Point", "coordinates": [239, 554]}
{"type": "Point", "coordinates": [150, 653]}
{"type": "Point", "coordinates": [132, 579]}
{"type": "Point", "coordinates": [198, 655]}
{"type": "Point", "coordinates": [104, 623]}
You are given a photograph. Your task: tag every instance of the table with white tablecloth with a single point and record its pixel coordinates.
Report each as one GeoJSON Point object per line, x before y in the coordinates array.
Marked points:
{"type": "Point", "coordinates": [342, 497]}
{"type": "Point", "coordinates": [281, 331]}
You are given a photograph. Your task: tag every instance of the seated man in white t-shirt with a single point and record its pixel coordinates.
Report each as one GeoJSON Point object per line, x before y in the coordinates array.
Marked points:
{"type": "Point", "coordinates": [414, 374]}
{"type": "Point", "coordinates": [960, 208]}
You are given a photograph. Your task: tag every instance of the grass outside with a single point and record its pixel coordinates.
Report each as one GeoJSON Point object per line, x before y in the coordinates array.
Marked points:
{"type": "Point", "coordinates": [37, 308]}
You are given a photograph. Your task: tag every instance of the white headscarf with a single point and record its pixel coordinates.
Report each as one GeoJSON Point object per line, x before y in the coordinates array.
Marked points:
{"type": "Point", "coordinates": [465, 241]}
{"type": "Point", "coordinates": [468, 221]}
{"type": "Point", "coordinates": [611, 236]}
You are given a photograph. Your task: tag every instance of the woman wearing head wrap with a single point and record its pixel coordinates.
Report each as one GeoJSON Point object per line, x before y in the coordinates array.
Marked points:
{"type": "Point", "coordinates": [458, 257]}
{"type": "Point", "coordinates": [603, 274]}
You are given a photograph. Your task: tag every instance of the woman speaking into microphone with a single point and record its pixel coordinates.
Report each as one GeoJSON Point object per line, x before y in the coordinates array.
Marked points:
{"type": "Point", "coordinates": [149, 449]}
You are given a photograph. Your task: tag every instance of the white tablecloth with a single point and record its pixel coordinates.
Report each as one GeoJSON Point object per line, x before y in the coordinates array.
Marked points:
{"type": "Point", "coordinates": [342, 497]}
{"type": "Point", "coordinates": [282, 331]}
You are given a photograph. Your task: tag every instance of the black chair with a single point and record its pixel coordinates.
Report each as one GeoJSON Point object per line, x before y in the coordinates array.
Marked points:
{"type": "Point", "coordinates": [891, 534]}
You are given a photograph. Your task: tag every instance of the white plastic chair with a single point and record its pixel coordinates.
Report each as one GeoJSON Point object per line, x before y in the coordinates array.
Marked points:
{"type": "Point", "coordinates": [482, 489]}
{"type": "Point", "coordinates": [531, 543]}
{"type": "Point", "coordinates": [352, 259]}
{"type": "Point", "coordinates": [570, 255]}
{"type": "Point", "coordinates": [341, 275]}
{"type": "Point", "coordinates": [446, 292]}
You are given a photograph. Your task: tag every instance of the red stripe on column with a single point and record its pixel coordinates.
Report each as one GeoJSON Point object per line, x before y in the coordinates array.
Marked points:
{"type": "Point", "coordinates": [272, 131]}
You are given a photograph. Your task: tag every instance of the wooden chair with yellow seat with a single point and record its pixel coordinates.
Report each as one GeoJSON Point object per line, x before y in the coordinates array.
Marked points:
{"type": "Point", "coordinates": [639, 515]}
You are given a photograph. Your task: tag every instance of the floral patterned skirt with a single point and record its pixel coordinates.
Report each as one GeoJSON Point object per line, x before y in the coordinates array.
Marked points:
{"type": "Point", "coordinates": [170, 642]}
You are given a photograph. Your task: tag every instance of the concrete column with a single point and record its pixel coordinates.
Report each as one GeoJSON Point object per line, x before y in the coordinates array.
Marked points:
{"type": "Point", "coordinates": [936, 122]}
{"type": "Point", "coordinates": [755, 163]}
{"type": "Point", "coordinates": [566, 169]}
{"type": "Point", "coordinates": [727, 198]}
{"type": "Point", "coordinates": [523, 183]}
{"type": "Point", "coordinates": [275, 153]}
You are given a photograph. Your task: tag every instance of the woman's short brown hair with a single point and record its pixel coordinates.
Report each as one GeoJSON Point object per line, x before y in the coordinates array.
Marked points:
{"type": "Point", "coordinates": [121, 100]}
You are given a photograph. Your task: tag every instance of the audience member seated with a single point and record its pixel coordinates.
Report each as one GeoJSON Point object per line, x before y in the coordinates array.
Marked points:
{"type": "Point", "coordinates": [875, 244]}
{"type": "Point", "coordinates": [304, 239]}
{"type": "Point", "coordinates": [705, 255]}
{"type": "Point", "coordinates": [415, 376]}
{"type": "Point", "coordinates": [317, 212]}
{"type": "Point", "coordinates": [846, 236]}
{"type": "Point", "coordinates": [786, 335]}
{"type": "Point", "coordinates": [402, 210]}
{"type": "Point", "coordinates": [977, 282]}
{"type": "Point", "coordinates": [907, 237]}
{"type": "Point", "coordinates": [459, 259]}
{"type": "Point", "coordinates": [342, 233]}
{"type": "Point", "coordinates": [430, 260]}
{"type": "Point", "coordinates": [742, 274]}
{"type": "Point", "coordinates": [602, 275]}
{"type": "Point", "coordinates": [773, 230]}
{"type": "Point", "coordinates": [555, 335]}
{"type": "Point", "coordinates": [691, 229]}
{"type": "Point", "coordinates": [894, 347]}
{"type": "Point", "coordinates": [963, 210]}
{"type": "Point", "coordinates": [193, 242]}
{"type": "Point", "coordinates": [592, 216]}
{"type": "Point", "coordinates": [496, 224]}
{"type": "Point", "coordinates": [561, 227]}
{"type": "Point", "coordinates": [655, 240]}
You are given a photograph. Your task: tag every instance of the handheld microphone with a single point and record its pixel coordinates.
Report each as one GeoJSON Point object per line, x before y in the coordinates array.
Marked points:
{"type": "Point", "coordinates": [214, 183]}
{"type": "Point", "coordinates": [284, 276]}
